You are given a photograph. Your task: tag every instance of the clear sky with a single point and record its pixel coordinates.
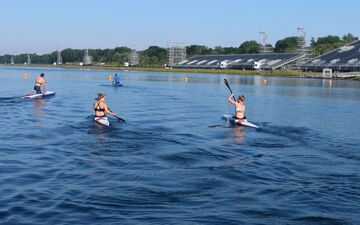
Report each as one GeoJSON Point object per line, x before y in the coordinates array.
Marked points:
{"type": "Point", "coordinates": [42, 26]}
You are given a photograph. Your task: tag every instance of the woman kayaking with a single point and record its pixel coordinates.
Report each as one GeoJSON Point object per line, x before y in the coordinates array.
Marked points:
{"type": "Point", "coordinates": [100, 106]}
{"type": "Point", "coordinates": [239, 107]}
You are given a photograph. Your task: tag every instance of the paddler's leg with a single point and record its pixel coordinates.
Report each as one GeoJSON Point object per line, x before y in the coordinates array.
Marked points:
{"type": "Point", "coordinates": [37, 89]}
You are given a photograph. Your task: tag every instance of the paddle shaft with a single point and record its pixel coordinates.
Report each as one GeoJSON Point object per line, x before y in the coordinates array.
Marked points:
{"type": "Point", "coordinates": [227, 85]}
{"type": "Point", "coordinates": [119, 118]}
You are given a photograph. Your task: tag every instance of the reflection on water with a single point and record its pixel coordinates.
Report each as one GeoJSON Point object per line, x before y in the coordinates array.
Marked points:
{"type": "Point", "coordinates": [38, 108]}
{"type": "Point", "coordinates": [238, 134]}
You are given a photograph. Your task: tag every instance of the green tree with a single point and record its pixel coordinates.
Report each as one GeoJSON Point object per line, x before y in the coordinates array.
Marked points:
{"type": "Point", "coordinates": [153, 56]}
{"type": "Point", "coordinates": [197, 50]}
{"type": "Point", "coordinates": [325, 44]}
{"type": "Point", "coordinates": [348, 38]}
{"type": "Point", "coordinates": [288, 44]}
{"type": "Point", "coordinates": [249, 47]}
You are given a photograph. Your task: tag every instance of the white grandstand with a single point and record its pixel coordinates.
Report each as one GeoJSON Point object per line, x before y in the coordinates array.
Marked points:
{"type": "Point", "coordinates": [346, 58]}
{"type": "Point", "coordinates": [261, 61]}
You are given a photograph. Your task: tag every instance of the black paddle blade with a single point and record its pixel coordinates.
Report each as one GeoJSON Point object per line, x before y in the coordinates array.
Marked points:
{"type": "Point", "coordinates": [227, 84]}
{"type": "Point", "coordinates": [120, 119]}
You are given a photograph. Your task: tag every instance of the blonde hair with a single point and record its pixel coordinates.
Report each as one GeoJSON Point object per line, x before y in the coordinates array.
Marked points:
{"type": "Point", "coordinates": [100, 96]}
{"type": "Point", "coordinates": [241, 98]}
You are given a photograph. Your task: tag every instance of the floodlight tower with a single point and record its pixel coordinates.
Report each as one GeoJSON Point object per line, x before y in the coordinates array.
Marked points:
{"type": "Point", "coordinates": [176, 53]}
{"type": "Point", "coordinates": [134, 58]}
{"type": "Point", "coordinates": [263, 42]}
{"type": "Point", "coordinates": [301, 42]}
{"type": "Point", "coordinates": [59, 58]}
{"type": "Point", "coordinates": [87, 59]}
{"type": "Point", "coordinates": [301, 46]}
{"type": "Point", "coordinates": [28, 59]}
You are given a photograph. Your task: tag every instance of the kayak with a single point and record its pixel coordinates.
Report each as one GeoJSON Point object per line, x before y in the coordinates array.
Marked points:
{"type": "Point", "coordinates": [103, 120]}
{"type": "Point", "coordinates": [47, 94]}
{"type": "Point", "coordinates": [244, 123]}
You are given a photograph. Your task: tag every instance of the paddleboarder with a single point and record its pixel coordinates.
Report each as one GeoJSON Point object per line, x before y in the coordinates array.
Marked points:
{"type": "Point", "coordinates": [40, 83]}
{"type": "Point", "coordinates": [116, 80]}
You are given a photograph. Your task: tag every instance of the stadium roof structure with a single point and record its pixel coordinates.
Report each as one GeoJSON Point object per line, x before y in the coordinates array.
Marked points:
{"type": "Point", "coordinates": [262, 61]}
{"type": "Point", "coordinates": [345, 58]}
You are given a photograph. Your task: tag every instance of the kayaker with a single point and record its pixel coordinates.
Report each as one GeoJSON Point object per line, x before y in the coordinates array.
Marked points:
{"type": "Point", "coordinates": [116, 80]}
{"type": "Point", "coordinates": [40, 83]}
{"type": "Point", "coordinates": [100, 106]}
{"type": "Point", "coordinates": [239, 107]}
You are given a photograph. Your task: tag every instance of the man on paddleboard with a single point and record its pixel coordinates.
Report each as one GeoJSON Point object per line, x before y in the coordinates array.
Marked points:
{"type": "Point", "coordinates": [116, 80]}
{"type": "Point", "coordinates": [100, 106]}
{"type": "Point", "coordinates": [40, 83]}
{"type": "Point", "coordinates": [239, 107]}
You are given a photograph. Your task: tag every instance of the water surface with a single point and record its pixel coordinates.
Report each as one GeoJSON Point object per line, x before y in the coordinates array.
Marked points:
{"type": "Point", "coordinates": [175, 161]}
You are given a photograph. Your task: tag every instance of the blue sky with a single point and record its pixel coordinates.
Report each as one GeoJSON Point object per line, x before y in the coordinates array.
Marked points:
{"type": "Point", "coordinates": [42, 26]}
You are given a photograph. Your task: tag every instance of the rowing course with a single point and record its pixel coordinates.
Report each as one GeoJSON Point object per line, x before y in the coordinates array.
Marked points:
{"type": "Point", "coordinates": [174, 161]}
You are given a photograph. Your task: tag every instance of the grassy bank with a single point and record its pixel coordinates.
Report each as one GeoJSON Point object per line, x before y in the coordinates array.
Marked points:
{"type": "Point", "coordinates": [284, 73]}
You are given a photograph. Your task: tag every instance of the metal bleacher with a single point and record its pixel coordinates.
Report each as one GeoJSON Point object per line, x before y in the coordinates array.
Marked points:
{"type": "Point", "coordinates": [345, 59]}
{"type": "Point", "coordinates": [264, 61]}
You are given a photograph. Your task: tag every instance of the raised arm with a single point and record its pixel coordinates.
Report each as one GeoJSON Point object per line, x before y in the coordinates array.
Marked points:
{"type": "Point", "coordinates": [231, 100]}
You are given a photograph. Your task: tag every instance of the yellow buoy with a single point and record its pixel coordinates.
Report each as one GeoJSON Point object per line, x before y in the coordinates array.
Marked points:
{"type": "Point", "coordinates": [265, 81]}
{"type": "Point", "coordinates": [330, 82]}
{"type": "Point", "coordinates": [186, 78]}
{"type": "Point", "coordinates": [25, 75]}
{"type": "Point", "coordinates": [110, 77]}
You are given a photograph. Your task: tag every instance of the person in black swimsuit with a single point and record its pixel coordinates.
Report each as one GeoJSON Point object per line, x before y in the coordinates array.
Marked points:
{"type": "Point", "coordinates": [100, 106]}
{"type": "Point", "coordinates": [239, 107]}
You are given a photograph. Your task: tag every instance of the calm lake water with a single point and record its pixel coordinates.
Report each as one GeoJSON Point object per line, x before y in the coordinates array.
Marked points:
{"type": "Point", "coordinates": [175, 161]}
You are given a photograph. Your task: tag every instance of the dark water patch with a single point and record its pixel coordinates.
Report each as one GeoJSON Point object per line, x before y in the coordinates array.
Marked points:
{"type": "Point", "coordinates": [321, 219]}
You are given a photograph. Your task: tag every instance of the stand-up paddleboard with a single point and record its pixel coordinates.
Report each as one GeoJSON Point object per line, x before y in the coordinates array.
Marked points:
{"type": "Point", "coordinates": [111, 85]}
{"type": "Point", "coordinates": [103, 120]}
{"type": "Point", "coordinates": [237, 122]}
{"type": "Point", "coordinates": [47, 94]}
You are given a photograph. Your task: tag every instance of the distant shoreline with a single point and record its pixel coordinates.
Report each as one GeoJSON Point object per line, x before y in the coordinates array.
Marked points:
{"type": "Point", "coordinates": [275, 73]}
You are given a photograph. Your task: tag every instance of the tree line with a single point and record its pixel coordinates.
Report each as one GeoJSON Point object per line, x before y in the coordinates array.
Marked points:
{"type": "Point", "coordinates": [157, 56]}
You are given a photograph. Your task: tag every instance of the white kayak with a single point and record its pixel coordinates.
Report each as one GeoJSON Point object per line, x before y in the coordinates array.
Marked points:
{"type": "Point", "coordinates": [245, 123]}
{"type": "Point", "coordinates": [47, 94]}
{"type": "Point", "coordinates": [103, 120]}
